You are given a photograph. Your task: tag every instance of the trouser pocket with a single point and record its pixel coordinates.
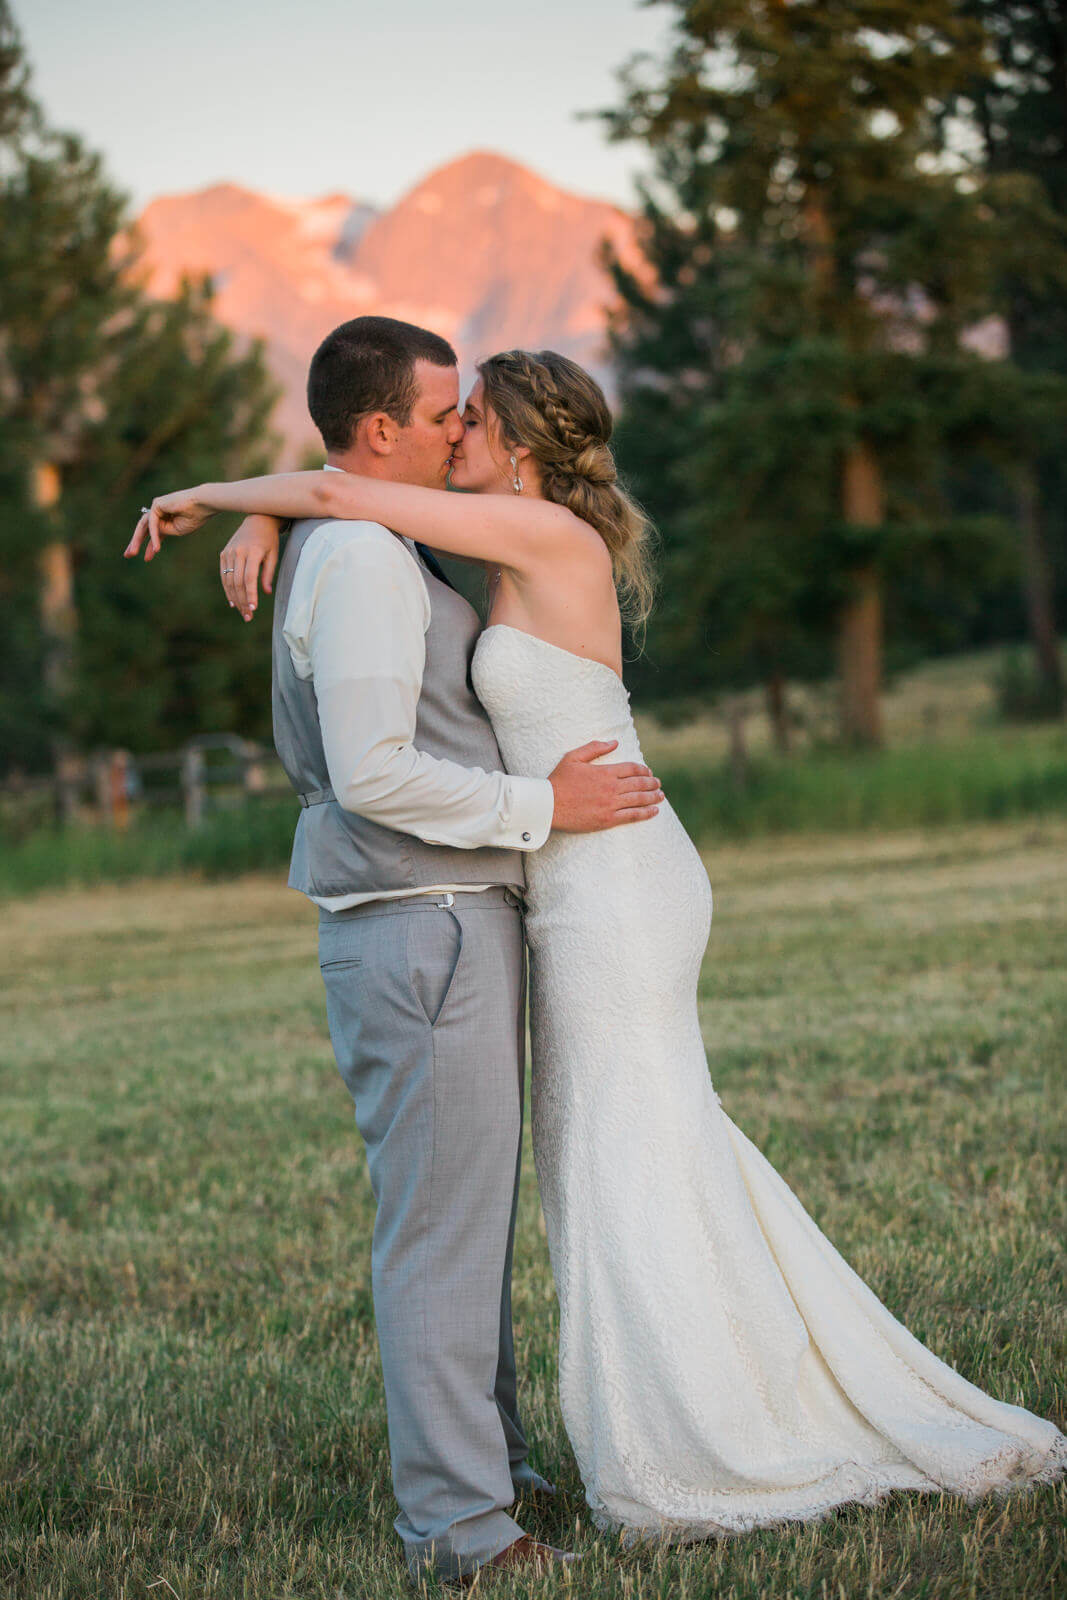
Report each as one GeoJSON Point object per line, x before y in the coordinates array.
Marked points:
{"type": "Point", "coordinates": [434, 952]}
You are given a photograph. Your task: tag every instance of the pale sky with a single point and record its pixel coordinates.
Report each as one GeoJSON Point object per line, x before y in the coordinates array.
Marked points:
{"type": "Point", "coordinates": [307, 98]}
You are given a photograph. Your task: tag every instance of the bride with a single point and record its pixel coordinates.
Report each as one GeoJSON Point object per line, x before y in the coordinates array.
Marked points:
{"type": "Point", "coordinates": [720, 1366]}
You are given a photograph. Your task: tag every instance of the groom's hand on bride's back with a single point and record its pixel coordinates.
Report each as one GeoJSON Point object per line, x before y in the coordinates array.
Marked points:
{"type": "Point", "coordinates": [590, 798]}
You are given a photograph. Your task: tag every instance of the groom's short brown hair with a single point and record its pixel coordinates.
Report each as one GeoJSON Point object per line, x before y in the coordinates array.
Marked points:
{"type": "Point", "coordinates": [368, 365]}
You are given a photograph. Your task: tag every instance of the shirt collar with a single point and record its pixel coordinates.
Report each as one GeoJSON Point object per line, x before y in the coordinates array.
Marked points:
{"type": "Point", "coordinates": [412, 546]}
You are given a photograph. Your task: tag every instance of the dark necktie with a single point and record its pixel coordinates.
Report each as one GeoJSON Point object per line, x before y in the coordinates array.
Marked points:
{"type": "Point", "coordinates": [431, 563]}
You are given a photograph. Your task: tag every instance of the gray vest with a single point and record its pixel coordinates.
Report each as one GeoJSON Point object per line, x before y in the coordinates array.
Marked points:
{"type": "Point", "coordinates": [337, 852]}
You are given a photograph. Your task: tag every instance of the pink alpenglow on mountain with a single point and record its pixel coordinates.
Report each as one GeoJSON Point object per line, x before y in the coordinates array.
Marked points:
{"type": "Point", "coordinates": [483, 251]}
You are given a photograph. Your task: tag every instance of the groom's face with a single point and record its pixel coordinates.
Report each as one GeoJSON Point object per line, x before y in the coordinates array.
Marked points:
{"type": "Point", "coordinates": [424, 448]}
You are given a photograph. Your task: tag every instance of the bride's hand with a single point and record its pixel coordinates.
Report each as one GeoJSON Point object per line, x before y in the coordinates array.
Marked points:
{"type": "Point", "coordinates": [169, 516]}
{"type": "Point", "coordinates": [252, 553]}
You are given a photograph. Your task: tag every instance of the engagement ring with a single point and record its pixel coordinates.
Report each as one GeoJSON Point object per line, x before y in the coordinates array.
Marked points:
{"type": "Point", "coordinates": [227, 569]}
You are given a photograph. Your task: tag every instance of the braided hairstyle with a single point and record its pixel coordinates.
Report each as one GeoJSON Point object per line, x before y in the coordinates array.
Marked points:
{"type": "Point", "coordinates": [558, 412]}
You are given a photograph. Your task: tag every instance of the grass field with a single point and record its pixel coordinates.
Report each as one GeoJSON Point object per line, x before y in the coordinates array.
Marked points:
{"type": "Point", "coordinates": [190, 1402]}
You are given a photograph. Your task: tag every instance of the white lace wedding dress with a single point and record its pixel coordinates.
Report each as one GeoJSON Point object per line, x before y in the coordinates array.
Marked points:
{"type": "Point", "coordinates": [720, 1366]}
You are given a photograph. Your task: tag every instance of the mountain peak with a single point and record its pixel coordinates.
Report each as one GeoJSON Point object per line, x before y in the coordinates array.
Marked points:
{"type": "Point", "coordinates": [479, 162]}
{"type": "Point", "coordinates": [485, 177]}
{"type": "Point", "coordinates": [483, 250]}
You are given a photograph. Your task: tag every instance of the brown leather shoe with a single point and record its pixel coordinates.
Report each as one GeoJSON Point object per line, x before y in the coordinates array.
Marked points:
{"type": "Point", "coordinates": [525, 1554]}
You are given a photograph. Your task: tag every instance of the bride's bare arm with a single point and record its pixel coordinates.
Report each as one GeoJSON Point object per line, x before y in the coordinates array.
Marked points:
{"type": "Point", "coordinates": [507, 530]}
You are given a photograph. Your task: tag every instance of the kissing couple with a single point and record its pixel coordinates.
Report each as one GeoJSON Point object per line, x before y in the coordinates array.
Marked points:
{"type": "Point", "coordinates": [721, 1368]}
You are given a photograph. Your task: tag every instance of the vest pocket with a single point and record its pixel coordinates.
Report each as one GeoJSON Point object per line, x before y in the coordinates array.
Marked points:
{"type": "Point", "coordinates": [434, 949]}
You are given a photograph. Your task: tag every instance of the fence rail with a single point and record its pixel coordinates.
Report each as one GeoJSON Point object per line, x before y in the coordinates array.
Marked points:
{"type": "Point", "coordinates": [109, 787]}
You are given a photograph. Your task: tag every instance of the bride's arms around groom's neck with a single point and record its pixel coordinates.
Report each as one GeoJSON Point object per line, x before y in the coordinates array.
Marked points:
{"type": "Point", "coordinates": [511, 531]}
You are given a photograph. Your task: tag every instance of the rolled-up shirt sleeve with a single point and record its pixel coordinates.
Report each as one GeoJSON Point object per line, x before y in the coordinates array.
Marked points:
{"type": "Point", "coordinates": [356, 626]}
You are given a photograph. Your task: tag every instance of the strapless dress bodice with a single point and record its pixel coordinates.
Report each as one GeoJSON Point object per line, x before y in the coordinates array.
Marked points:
{"type": "Point", "coordinates": [544, 701]}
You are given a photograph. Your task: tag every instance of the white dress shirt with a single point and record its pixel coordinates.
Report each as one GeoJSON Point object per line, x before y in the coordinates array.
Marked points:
{"type": "Point", "coordinates": [356, 623]}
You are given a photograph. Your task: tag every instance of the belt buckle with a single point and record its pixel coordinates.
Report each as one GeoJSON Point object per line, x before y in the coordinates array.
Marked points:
{"type": "Point", "coordinates": [445, 900]}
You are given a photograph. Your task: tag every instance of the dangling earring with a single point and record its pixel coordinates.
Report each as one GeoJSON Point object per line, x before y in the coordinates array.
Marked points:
{"type": "Point", "coordinates": [516, 481]}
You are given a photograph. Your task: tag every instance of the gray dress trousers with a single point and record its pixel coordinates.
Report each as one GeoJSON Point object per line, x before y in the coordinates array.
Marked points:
{"type": "Point", "coordinates": [425, 1001]}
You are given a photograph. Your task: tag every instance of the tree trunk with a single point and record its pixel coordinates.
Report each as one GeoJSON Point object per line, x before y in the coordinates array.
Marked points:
{"type": "Point", "coordinates": [59, 621]}
{"type": "Point", "coordinates": [778, 711]}
{"type": "Point", "coordinates": [860, 626]}
{"type": "Point", "coordinates": [58, 614]}
{"type": "Point", "coordinates": [1037, 593]}
{"type": "Point", "coordinates": [863, 504]}
{"type": "Point", "coordinates": [735, 718]}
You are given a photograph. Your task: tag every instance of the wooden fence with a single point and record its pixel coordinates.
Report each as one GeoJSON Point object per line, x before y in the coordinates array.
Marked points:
{"type": "Point", "coordinates": [109, 787]}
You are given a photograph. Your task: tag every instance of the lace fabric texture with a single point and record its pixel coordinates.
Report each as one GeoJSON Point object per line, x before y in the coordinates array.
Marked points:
{"type": "Point", "coordinates": [721, 1367]}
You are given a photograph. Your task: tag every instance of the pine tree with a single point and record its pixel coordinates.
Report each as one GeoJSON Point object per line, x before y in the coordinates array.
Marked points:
{"type": "Point", "coordinates": [161, 657]}
{"type": "Point", "coordinates": [104, 394]}
{"type": "Point", "coordinates": [1020, 112]}
{"type": "Point", "coordinates": [827, 274]}
{"type": "Point", "coordinates": [61, 287]}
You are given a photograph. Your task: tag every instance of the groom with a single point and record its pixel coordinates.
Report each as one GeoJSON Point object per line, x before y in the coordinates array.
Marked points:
{"type": "Point", "coordinates": [411, 841]}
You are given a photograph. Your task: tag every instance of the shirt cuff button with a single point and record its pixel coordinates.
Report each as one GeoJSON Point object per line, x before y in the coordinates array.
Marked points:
{"type": "Point", "coordinates": [526, 838]}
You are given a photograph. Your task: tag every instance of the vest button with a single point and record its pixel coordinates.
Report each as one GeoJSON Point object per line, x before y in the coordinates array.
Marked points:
{"type": "Point", "coordinates": [526, 838]}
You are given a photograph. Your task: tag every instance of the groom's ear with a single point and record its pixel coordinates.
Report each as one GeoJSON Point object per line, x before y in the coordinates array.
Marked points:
{"type": "Point", "coordinates": [379, 432]}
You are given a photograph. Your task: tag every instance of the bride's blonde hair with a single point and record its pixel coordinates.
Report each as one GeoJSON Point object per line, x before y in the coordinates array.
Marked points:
{"type": "Point", "coordinates": [552, 406]}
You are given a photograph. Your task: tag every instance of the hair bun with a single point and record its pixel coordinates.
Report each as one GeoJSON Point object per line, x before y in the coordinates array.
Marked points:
{"type": "Point", "coordinates": [595, 463]}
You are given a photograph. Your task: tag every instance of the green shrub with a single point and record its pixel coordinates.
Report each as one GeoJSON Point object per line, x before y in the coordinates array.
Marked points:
{"type": "Point", "coordinates": [255, 836]}
{"type": "Point", "coordinates": [985, 779]}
